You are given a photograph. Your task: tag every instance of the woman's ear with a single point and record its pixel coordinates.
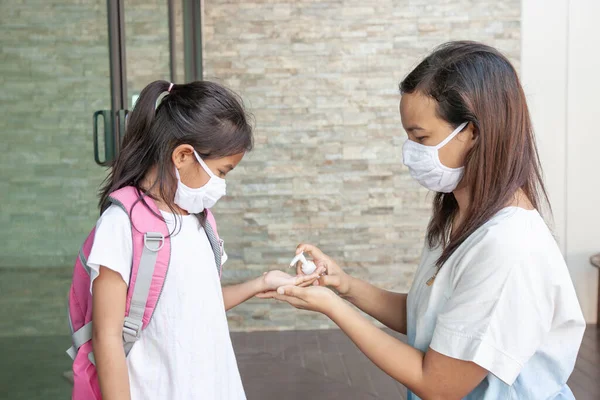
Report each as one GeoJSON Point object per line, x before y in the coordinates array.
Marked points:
{"type": "Point", "coordinates": [474, 131]}
{"type": "Point", "coordinates": [472, 134]}
{"type": "Point", "coordinates": [182, 155]}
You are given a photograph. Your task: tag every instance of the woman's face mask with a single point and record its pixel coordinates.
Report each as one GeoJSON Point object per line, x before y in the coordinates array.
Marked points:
{"type": "Point", "coordinates": [425, 166]}
{"type": "Point", "coordinates": [195, 201]}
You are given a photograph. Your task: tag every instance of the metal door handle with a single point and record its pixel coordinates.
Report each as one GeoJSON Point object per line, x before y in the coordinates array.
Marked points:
{"type": "Point", "coordinates": [122, 114]}
{"type": "Point", "coordinates": [110, 147]}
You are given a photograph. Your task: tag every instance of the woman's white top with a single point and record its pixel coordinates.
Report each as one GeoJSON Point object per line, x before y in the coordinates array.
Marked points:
{"type": "Point", "coordinates": [504, 300]}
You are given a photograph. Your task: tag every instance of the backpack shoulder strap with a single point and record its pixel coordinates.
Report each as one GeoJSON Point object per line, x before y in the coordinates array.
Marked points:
{"type": "Point", "coordinates": [210, 227]}
{"type": "Point", "coordinates": [210, 218]}
{"type": "Point", "coordinates": [151, 255]}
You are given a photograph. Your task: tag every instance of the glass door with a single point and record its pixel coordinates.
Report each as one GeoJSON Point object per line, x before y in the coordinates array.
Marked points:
{"type": "Point", "coordinates": [148, 40]}
{"type": "Point", "coordinates": [147, 23]}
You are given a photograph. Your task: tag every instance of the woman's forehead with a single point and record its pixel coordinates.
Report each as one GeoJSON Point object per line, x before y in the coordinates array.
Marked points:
{"type": "Point", "coordinates": [418, 110]}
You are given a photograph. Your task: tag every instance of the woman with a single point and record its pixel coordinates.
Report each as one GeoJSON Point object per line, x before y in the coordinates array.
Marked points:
{"type": "Point", "coordinates": [492, 313]}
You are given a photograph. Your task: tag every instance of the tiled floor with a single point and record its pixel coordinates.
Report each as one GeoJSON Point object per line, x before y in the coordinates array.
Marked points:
{"type": "Point", "coordinates": [297, 365]}
{"type": "Point", "coordinates": [585, 380]}
{"type": "Point", "coordinates": [320, 365]}
{"type": "Point", "coordinates": [316, 365]}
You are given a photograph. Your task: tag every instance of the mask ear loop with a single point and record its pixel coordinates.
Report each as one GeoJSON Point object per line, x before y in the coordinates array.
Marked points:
{"type": "Point", "coordinates": [204, 166]}
{"type": "Point", "coordinates": [451, 136]}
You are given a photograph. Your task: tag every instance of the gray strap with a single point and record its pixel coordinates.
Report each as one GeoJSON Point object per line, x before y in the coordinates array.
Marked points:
{"type": "Point", "coordinates": [70, 322]}
{"type": "Point", "coordinates": [79, 338]}
{"type": "Point", "coordinates": [212, 238]}
{"type": "Point", "coordinates": [72, 352]}
{"type": "Point", "coordinates": [84, 262]}
{"type": "Point", "coordinates": [132, 326]}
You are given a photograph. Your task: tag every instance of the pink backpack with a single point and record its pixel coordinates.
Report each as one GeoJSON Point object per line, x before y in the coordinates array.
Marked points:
{"type": "Point", "coordinates": [151, 256]}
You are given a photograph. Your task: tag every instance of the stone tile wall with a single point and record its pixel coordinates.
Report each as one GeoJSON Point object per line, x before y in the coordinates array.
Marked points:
{"type": "Point", "coordinates": [321, 78]}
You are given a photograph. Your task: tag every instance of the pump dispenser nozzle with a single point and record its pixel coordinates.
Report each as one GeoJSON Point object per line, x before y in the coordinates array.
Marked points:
{"type": "Point", "coordinates": [308, 267]}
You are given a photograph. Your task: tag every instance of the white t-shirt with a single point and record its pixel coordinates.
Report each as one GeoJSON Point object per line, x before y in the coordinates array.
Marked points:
{"type": "Point", "coordinates": [505, 301]}
{"type": "Point", "coordinates": [185, 352]}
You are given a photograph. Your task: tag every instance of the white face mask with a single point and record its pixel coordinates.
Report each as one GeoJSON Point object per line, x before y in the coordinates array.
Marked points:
{"type": "Point", "coordinates": [425, 166]}
{"type": "Point", "coordinates": [195, 201]}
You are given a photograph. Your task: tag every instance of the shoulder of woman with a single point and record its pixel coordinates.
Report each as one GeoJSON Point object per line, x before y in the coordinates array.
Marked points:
{"type": "Point", "coordinates": [513, 237]}
{"type": "Point", "coordinates": [511, 229]}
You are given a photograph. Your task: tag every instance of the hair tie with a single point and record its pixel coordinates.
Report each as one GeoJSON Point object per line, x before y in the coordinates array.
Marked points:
{"type": "Point", "coordinates": [162, 96]}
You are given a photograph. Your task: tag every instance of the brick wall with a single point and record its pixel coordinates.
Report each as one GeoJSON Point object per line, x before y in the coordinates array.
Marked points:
{"type": "Point", "coordinates": [320, 78]}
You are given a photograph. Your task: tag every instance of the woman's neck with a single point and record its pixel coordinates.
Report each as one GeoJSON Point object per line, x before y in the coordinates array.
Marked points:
{"type": "Point", "coordinates": [463, 199]}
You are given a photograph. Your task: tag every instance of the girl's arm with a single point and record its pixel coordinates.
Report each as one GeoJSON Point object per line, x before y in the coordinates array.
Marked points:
{"type": "Point", "coordinates": [430, 375]}
{"type": "Point", "coordinates": [110, 293]}
{"type": "Point", "coordinates": [237, 294]}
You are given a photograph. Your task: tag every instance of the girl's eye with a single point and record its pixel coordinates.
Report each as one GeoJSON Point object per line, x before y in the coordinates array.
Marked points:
{"type": "Point", "coordinates": [420, 139]}
{"type": "Point", "coordinates": [221, 173]}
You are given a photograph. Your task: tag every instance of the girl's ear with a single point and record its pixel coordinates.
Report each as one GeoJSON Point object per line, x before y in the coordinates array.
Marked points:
{"type": "Point", "coordinates": [182, 155]}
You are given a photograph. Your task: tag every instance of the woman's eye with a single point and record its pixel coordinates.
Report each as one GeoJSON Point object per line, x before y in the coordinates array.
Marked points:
{"type": "Point", "coordinates": [221, 173]}
{"type": "Point", "coordinates": [420, 139]}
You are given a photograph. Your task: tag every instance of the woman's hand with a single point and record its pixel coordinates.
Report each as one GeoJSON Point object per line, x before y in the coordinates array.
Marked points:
{"type": "Point", "coordinates": [334, 276]}
{"type": "Point", "coordinates": [312, 298]}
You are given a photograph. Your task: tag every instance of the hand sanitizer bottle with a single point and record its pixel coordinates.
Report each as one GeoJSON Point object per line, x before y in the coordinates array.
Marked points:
{"type": "Point", "coordinates": [308, 267]}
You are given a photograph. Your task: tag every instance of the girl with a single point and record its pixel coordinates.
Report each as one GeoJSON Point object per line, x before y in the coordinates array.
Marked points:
{"type": "Point", "coordinates": [181, 142]}
{"type": "Point", "coordinates": [492, 313]}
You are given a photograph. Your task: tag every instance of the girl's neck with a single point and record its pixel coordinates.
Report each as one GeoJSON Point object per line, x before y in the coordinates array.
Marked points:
{"type": "Point", "coordinates": [164, 207]}
{"type": "Point", "coordinates": [149, 183]}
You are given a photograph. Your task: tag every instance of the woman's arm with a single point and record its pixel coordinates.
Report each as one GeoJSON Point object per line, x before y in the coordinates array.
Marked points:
{"type": "Point", "coordinates": [430, 375]}
{"type": "Point", "coordinates": [110, 292]}
{"type": "Point", "coordinates": [387, 307]}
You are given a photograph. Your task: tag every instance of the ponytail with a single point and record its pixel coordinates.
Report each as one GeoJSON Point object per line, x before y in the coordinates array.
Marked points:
{"type": "Point", "coordinates": [133, 161]}
{"type": "Point", "coordinates": [144, 111]}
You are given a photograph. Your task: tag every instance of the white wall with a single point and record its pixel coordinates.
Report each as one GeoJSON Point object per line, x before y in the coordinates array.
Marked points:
{"type": "Point", "coordinates": [560, 70]}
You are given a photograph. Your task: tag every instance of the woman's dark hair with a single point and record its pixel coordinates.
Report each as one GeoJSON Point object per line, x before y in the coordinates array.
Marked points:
{"type": "Point", "coordinates": [205, 115]}
{"type": "Point", "coordinates": [476, 83]}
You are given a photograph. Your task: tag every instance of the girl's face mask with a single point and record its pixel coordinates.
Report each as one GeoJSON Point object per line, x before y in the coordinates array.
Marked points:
{"type": "Point", "coordinates": [195, 201]}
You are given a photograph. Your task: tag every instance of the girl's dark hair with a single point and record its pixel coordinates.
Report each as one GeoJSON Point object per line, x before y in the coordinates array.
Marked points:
{"type": "Point", "coordinates": [474, 82]}
{"type": "Point", "coordinates": [205, 115]}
